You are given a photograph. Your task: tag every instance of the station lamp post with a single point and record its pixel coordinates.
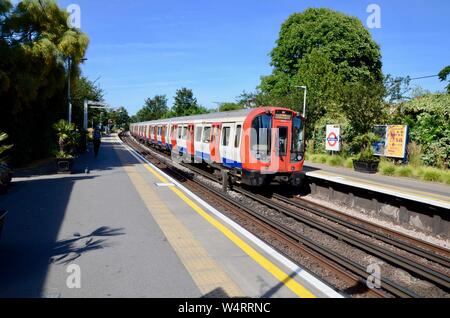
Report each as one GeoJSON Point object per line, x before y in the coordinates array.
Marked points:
{"type": "Point", "coordinates": [304, 99]}
{"type": "Point", "coordinates": [69, 99]}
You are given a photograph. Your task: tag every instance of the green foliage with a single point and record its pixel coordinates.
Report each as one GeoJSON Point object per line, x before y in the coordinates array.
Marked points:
{"type": "Point", "coordinates": [362, 105]}
{"type": "Point", "coordinates": [225, 107]}
{"type": "Point", "coordinates": [415, 154]}
{"type": "Point", "coordinates": [68, 138]}
{"type": "Point", "coordinates": [429, 120]}
{"type": "Point", "coordinates": [443, 75]}
{"type": "Point", "coordinates": [35, 41]}
{"type": "Point", "coordinates": [82, 89]}
{"type": "Point", "coordinates": [397, 88]}
{"type": "Point", "coordinates": [387, 168]}
{"type": "Point", "coordinates": [186, 104]}
{"type": "Point", "coordinates": [335, 161]}
{"type": "Point", "coordinates": [120, 118]}
{"type": "Point", "coordinates": [153, 109]}
{"type": "Point", "coordinates": [404, 171]}
{"type": "Point", "coordinates": [365, 142]}
{"type": "Point", "coordinates": [431, 174]}
{"type": "Point", "coordinates": [3, 148]}
{"type": "Point", "coordinates": [348, 163]}
{"type": "Point", "coordinates": [321, 49]}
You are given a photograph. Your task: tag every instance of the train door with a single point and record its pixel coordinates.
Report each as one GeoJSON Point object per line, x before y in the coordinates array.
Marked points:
{"type": "Point", "coordinates": [215, 143]}
{"type": "Point", "coordinates": [226, 150]}
{"type": "Point", "coordinates": [281, 141]}
{"type": "Point", "coordinates": [182, 139]}
{"type": "Point", "coordinates": [173, 136]}
{"type": "Point", "coordinates": [190, 140]}
{"type": "Point", "coordinates": [159, 135]}
{"type": "Point", "coordinates": [236, 145]}
{"type": "Point", "coordinates": [206, 140]}
{"type": "Point", "coordinates": [198, 150]}
{"type": "Point", "coordinates": [155, 135]}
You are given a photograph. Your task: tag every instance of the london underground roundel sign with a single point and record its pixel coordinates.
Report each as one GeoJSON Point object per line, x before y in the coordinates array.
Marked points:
{"type": "Point", "coordinates": [332, 142]}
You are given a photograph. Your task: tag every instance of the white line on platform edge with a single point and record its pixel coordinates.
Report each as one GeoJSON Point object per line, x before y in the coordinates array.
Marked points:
{"type": "Point", "coordinates": [300, 272]}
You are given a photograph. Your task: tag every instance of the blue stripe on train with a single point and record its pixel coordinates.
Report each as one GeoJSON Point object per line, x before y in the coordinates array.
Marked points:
{"type": "Point", "coordinates": [226, 162]}
{"type": "Point", "coordinates": [231, 163]}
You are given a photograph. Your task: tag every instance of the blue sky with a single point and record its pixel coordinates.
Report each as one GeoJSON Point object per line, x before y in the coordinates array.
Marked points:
{"type": "Point", "coordinates": [140, 48]}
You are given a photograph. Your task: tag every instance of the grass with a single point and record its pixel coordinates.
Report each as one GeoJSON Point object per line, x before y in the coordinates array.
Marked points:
{"type": "Point", "coordinates": [335, 161]}
{"type": "Point", "coordinates": [388, 168]}
{"type": "Point", "coordinates": [432, 174]}
{"type": "Point", "coordinates": [404, 171]}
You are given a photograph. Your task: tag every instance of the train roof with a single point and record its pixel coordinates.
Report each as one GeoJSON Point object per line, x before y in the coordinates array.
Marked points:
{"type": "Point", "coordinates": [234, 114]}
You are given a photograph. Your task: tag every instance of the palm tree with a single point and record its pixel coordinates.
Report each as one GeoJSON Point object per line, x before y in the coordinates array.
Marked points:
{"type": "Point", "coordinates": [67, 138]}
{"type": "Point", "coordinates": [4, 148]}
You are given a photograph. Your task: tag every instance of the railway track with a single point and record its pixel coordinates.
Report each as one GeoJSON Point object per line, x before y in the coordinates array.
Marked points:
{"type": "Point", "coordinates": [350, 271]}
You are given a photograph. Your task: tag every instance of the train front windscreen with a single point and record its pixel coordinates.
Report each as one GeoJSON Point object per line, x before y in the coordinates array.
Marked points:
{"type": "Point", "coordinates": [298, 142]}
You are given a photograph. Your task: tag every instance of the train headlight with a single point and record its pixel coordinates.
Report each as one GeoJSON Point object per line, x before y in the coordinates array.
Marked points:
{"type": "Point", "coordinates": [300, 157]}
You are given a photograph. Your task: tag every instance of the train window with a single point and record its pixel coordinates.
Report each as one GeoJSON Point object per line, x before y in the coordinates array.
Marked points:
{"type": "Point", "coordinates": [198, 134]}
{"type": "Point", "coordinates": [282, 141]}
{"type": "Point", "coordinates": [184, 133]}
{"type": "Point", "coordinates": [261, 137]}
{"type": "Point", "coordinates": [226, 136]}
{"type": "Point", "coordinates": [297, 147]}
{"type": "Point", "coordinates": [206, 134]}
{"type": "Point", "coordinates": [237, 138]}
{"type": "Point", "coordinates": [179, 131]}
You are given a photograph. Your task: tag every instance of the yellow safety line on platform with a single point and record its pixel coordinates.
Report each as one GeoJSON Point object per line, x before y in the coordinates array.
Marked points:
{"type": "Point", "coordinates": [279, 274]}
{"type": "Point", "coordinates": [204, 270]}
{"type": "Point", "coordinates": [420, 194]}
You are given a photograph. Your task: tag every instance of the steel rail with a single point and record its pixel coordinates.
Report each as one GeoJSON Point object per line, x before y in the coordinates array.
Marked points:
{"type": "Point", "coordinates": [354, 267]}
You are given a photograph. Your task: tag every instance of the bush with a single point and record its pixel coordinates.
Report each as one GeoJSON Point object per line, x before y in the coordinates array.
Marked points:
{"type": "Point", "coordinates": [415, 154]}
{"type": "Point", "coordinates": [404, 171]}
{"type": "Point", "coordinates": [447, 177]}
{"type": "Point", "coordinates": [322, 159]}
{"type": "Point", "coordinates": [364, 143]}
{"type": "Point", "coordinates": [349, 163]}
{"type": "Point", "coordinates": [335, 161]}
{"type": "Point", "coordinates": [431, 174]}
{"type": "Point", "coordinates": [387, 169]}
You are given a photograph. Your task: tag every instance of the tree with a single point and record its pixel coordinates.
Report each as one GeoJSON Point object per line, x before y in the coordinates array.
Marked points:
{"type": "Point", "coordinates": [321, 49]}
{"type": "Point", "coordinates": [443, 75]}
{"type": "Point", "coordinates": [154, 108]}
{"type": "Point", "coordinates": [363, 105]}
{"type": "Point", "coordinates": [3, 148]}
{"type": "Point", "coordinates": [225, 107]}
{"type": "Point", "coordinates": [120, 118]}
{"type": "Point", "coordinates": [397, 88]}
{"type": "Point", "coordinates": [186, 104]}
{"type": "Point", "coordinates": [428, 119]}
{"type": "Point", "coordinates": [85, 89]}
{"type": "Point", "coordinates": [35, 42]}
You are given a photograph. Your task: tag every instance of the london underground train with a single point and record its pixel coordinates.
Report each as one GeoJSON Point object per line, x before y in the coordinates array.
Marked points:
{"type": "Point", "coordinates": [254, 146]}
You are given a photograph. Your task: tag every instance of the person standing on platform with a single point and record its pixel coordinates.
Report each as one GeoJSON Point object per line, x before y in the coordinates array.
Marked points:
{"type": "Point", "coordinates": [97, 140]}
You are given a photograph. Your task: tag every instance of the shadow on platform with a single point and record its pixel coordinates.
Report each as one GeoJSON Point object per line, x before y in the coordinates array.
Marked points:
{"type": "Point", "coordinates": [37, 208]}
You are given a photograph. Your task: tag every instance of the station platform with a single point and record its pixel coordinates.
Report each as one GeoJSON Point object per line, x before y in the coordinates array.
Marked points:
{"type": "Point", "coordinates": [434, 194]}
{"type": "Point", "coordinates": [128, 230]}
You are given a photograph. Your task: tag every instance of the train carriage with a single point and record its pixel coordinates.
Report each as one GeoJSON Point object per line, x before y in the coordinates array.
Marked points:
{"type": "Point", "coordinates": [254, 146]}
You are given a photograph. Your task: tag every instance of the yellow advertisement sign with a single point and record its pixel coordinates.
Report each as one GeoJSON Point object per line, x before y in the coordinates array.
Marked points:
{"type": "Point", "coordinates": [396, 141]}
